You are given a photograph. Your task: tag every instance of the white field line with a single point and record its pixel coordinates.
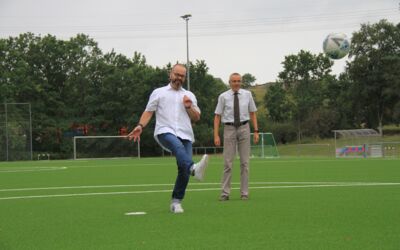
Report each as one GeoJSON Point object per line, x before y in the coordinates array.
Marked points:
{"type": "Point", "coordinates": [163, 184]}
{"type": "Point", "coordinates": [138, 162]}
{"type": "Point", "coordinates": [29, 169]}
{"type": "Point", "coordinates": [322, 160]}
{"type": "Point", "coordinates": [267, 162]}
{"type": "Point", "coordinates": [34, 169]}
{"type": "Point", "coordinates": [194, 190]}
{"type": "Point", "coordinates": [141, 164]}
{"type": "Point", "coordinates": [133, 164]}
{"type": "Point", "coordinates": [135, 213]}
{"type": "Point", "coordinates": [288, 159]}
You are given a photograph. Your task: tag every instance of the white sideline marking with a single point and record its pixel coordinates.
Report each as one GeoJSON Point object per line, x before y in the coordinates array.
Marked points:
{"type": "Point", "coordinates": [29, 169]}
{"type": "Point", "coordinates": [197, 190]}
{"type": "Point", "coordinates": [287, 160]}
{"type": "Point", "coordinates": [135, 213]}
{"type": "Point", "coordinates": [158, 185]}
{"type": "Point", "coordinates": [139, 163]}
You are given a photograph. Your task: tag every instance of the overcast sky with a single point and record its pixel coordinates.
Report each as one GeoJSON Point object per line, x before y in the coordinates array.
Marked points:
{"type": "Point", "coordinates": [231, 36]}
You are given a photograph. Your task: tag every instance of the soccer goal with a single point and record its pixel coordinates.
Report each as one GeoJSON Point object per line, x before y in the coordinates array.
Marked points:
{"type": "Point", "coordinates": [265, 148]}
{"type": "Point", "coordinates": [100, 147]}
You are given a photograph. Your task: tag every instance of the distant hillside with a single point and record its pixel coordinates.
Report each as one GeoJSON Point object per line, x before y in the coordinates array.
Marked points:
{"type": "Point", "coordinates": [260, 91]}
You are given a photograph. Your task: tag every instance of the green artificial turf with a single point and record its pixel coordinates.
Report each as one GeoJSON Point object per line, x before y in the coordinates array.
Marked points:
{"type": "Point", "coordinates": [294, 204]}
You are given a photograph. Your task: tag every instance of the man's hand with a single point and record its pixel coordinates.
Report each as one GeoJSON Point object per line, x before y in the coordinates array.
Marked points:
{"type": "Point", "coordinates": [253, 118]}
{"type": "Point", "coordinates": [217, 121]}
{"type": "Point", "coordinates": [217, 141]}
{"type": "Point", "coordinates": [137, 131]}
{"type": "Point", "coordinates": [187, 102]}
{"type": "Point", "coordinates": [191, 110]}
{"type": "Point", "coordinates": [256, 137]}
{"type": "Point", "coordinates": [135, 134]}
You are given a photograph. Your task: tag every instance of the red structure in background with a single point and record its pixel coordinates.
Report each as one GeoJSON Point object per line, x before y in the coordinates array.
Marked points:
{"type": "Point", "coordinates": [81, 129]}
{"type": "Point", "coordinates": [86, 129]}
{"type": "Point", "coordinates": [123, 131]}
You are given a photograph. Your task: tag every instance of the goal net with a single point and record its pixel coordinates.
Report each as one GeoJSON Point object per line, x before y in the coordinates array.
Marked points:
{"type": "Point", "coordinates": [98, 147]}
{"type": "Point", "coordinates": [15, 132]}
{"type": "Point", "coordinates": [265, 148]}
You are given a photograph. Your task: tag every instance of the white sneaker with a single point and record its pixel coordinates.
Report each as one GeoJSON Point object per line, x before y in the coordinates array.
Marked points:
{"type": "Point", "coordinates": [200, 168]}
{"type": "Point", "coordinates": [176, 208]}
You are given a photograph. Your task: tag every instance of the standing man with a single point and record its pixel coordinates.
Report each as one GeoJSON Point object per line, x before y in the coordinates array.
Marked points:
{"type": "Point", "coordinates": [235, 108]}
{"type": "Point", "coordinates": [175, 109]}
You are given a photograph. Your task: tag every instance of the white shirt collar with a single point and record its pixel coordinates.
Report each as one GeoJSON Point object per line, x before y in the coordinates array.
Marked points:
{"type": "Point", "coordinates": [170, 87]}
{"type": "Point", "coordinates": [240, 91]}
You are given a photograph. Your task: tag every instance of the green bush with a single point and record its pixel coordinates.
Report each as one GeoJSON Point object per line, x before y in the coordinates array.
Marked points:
{"type": "Point", "coordinates": [283, 132]}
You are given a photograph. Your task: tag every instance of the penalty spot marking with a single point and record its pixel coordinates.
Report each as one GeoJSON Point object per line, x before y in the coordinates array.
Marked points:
{"type": "Point", "coordinates": [135, 213]}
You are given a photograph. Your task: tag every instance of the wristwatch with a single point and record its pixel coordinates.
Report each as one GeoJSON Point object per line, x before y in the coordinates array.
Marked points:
{"type": "Point", "coordinates": [141, 125]}
{"type": "Point", "coordinates": [256, 131]}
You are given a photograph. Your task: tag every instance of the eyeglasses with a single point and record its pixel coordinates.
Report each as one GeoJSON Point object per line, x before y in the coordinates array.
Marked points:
{"type": "Point", "coordinates": [179, 75]}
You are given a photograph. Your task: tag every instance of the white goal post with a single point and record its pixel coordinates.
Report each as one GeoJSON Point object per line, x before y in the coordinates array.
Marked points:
{"type": "Point", "coordinates": [265, 148]}
{"type": "Point", "coordinates": [102, 146]}
{"type": "Point", "coordinates": [106, 147]}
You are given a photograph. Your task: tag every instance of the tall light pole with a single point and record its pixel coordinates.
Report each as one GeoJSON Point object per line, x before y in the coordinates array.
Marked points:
{"type": "Point", "coordinates": [186, 18]}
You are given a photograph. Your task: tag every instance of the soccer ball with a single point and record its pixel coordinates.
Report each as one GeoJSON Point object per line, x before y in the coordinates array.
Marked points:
{"type": "Point", "coordinates": [336, 45]}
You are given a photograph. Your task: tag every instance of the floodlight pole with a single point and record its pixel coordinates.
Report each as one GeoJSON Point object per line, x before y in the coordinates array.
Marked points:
{"type": "Point", "coordinates": [186, 18]}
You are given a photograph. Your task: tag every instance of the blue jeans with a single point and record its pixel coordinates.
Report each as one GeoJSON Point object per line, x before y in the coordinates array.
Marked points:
{"type": "Point", "coordinates": [182, 149]}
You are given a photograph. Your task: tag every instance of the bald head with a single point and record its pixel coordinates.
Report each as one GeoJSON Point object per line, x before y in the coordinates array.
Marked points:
{"type": "Point", "coordinates": [178, 65]}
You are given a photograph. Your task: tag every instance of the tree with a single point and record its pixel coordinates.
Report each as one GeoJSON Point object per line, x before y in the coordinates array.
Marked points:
{"type": "Point", "coordinates": [374, 71]}
{"type": "Point", "coordinates": [304, 80]}
{"type": "Point", "coordinates": [72, 83]}
{"type": "Point", "coordinates": [248, 80]}
{"type": "Point", "coordinates": [207, 89]}
{"type": "Point", "coordinates": [278, 103]}
{"type": "Point", "coordinates": [304, 67]}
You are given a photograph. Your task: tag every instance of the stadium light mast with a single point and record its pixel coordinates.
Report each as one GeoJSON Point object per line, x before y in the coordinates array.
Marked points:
{"type": "Point", "coordinates": [186, 17]}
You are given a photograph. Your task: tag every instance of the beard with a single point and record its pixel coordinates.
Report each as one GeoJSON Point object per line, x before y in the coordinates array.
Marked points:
{"type": "Point", "coordinates": [177, 83]}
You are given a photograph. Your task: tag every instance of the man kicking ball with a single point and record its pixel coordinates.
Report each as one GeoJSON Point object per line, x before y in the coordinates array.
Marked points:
{"type": "Point", "coordinates": [175, 109]}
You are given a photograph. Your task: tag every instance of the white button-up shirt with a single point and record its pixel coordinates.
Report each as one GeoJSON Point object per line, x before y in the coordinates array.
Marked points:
{"type": "Point", "coordinates": [225, 105]}
{"type": "Point", "coordinates": [171, 115]}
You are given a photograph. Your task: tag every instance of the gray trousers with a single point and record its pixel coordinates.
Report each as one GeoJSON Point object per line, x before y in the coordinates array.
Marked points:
{"type": "Point", "coordinates": [236, 138]}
